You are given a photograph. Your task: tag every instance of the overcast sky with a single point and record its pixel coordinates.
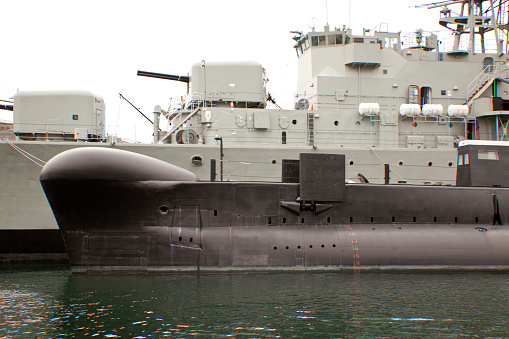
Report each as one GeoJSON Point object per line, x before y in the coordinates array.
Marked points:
{"type": "Point", "coordinates": [99, 45]}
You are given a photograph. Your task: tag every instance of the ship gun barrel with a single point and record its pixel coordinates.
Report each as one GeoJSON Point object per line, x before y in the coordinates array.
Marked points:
{"type": "Point", "coordinates": [7, 107]}
{"type": "Point", "coordinates": [181, 78]}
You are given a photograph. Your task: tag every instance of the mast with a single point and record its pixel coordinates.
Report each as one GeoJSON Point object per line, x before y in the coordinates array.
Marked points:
{"type": "Point", "coordinates": [474, 21]}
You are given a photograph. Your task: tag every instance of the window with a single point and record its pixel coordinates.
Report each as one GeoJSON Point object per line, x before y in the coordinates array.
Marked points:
{"type": "Point", "coordinates": [487, 155]}
{"type": "Point", "coordinates": [460, 159]}
{"type": "Point", "coordinates": [318, 40]}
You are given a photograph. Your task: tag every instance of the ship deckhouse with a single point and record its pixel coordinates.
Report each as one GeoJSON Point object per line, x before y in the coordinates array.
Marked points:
{"type": "Point", "coordinates": [414, 85]}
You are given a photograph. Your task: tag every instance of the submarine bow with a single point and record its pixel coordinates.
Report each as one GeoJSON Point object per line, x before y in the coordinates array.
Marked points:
{"type": "Point", "coordinates": [88, 163]}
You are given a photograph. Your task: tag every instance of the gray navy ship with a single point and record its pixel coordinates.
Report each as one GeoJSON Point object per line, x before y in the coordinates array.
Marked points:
{"type": "Point", "coordinates": [395, 105]}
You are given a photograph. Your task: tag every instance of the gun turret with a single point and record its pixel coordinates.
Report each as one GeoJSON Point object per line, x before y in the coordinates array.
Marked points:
{"type": "Point", "coordinates": [181, 78]}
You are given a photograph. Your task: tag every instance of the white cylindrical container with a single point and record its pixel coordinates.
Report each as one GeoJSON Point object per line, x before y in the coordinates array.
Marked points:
{"type": "Point", "coordinates": [432, 110]}
{"type": "Point", "coordinates": [457, 111]}
{"type": "Point", "coordinates": [409, 110]}
{"type": "Point", "coordinates": [369, 108]}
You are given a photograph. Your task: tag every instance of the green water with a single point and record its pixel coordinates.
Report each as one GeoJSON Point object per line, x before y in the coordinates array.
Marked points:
{"type": "Point", "coordinates": [47, 301]}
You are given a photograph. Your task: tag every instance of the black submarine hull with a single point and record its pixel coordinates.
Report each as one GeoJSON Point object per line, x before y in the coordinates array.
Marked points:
{"type": "Point", "coordinates": [121, 212]}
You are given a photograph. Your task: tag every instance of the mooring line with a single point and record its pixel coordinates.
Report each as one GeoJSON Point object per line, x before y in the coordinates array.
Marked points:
{"type": "Point", "coordinates": [26, 154]}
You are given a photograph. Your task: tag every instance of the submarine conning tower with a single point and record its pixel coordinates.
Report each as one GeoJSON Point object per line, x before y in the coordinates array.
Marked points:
{"type": "Point", "coordinates": [483, 163]}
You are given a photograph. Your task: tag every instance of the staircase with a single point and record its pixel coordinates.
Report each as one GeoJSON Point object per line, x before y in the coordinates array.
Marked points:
{"type": "Point", "coordinates": [177, 122]}
{"type": "Point", "coordinates": [483, 81]}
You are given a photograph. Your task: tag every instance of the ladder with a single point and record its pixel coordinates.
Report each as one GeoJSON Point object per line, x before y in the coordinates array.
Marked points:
{"type": "Point", "coordinates": [178, 123]}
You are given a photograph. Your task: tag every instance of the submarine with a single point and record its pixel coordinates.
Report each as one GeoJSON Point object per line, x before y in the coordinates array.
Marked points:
{"type": "Point", "coordinates": [122, 212]}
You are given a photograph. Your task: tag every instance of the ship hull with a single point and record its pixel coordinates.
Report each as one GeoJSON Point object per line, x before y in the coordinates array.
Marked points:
{"type": "Point", "coordinates": [139, 223]}
{"type": "Point", "coordinates": [385, 247]}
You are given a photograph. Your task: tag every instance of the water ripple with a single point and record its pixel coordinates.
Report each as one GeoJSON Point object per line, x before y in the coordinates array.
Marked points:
{"type": "Point", "coordinates": [52, 303]}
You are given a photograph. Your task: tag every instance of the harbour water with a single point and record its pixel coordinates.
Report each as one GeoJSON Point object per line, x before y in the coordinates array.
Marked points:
{"type": "Point", "coordinates": [47, 301]}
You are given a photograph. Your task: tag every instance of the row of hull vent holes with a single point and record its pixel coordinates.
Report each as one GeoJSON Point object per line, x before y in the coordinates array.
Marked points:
{"type": "Point", "coordinates": [414, 219]}
{"type": "Point", "coordinates": [336, 123]}
{"type": "Point", "coordinates": [401, 163]}
{"type": "Point", "coordinates": [275, 247]}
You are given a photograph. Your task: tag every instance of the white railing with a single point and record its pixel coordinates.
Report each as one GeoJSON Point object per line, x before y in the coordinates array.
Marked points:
{"type": "Point", "coordinates": [488, 74]}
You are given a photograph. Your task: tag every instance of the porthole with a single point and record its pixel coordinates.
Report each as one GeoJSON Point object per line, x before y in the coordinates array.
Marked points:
{"type": "Point", "coordinates": [351, 162]}
{"type": "Point", "coordinates": [163, 210]}
{"type": "Point", "coordinates": [197, 160]}
{"type": "Point", "coordinates": [400, 163]}
{"type": "Point", "coordinates": [358, 123]}
{"type": "Point", "coordinates": [273, 161]}
{"type": "Point", "coordinates": [450, 164]}
{"type": "Point", "coordinates": [294, 121]}
{"type": "Point", "coordinates": [430, 164]}
{"type": "Point", "coordinates": [414, 124]}
{"type": "Point", "coordinates": [336, 123]}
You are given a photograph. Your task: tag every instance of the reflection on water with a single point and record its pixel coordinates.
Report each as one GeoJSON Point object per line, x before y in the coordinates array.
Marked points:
{"type": "Point", "coordinates": [46, 301]}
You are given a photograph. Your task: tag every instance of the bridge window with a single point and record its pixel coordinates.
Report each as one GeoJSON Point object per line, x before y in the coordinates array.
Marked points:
{"type": "Point", "coordinates": [318, 40]}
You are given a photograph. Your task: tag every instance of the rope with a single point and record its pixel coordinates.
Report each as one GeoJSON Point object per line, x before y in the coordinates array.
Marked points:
{"type": "Point", "coordinates": [383, 162]}
{"type": "Point", "coordinates": [27, 155]}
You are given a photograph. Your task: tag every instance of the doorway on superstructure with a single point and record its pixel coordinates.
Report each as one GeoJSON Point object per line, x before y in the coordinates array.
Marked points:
{"type": "Point", "coordinates": [425, 95]}
{"type": "Point", "coordinates": [488, 65]}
